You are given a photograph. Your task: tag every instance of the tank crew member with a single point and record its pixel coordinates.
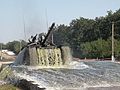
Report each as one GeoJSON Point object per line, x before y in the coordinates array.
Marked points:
{"type": "Point", "coordinates": [30, 40]}
{"type": "Point", "coordinates": [41, 38]}
{"type": "Point", "coordinates": [34, 39]}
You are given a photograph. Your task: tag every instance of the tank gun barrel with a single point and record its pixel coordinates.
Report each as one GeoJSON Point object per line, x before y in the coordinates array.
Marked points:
{"type": "Point", "coordinates": [48, 34]}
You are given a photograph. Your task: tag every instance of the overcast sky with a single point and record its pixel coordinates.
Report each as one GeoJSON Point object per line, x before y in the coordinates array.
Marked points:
{"type": "Point", "coordinates": [37, 13]}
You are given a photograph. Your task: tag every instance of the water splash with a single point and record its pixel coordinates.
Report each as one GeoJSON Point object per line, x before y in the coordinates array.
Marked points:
{"type": "Point", "coordinates": [2, 82]}
{"type": "Point", "coordinates": [76, 76]}
{"type": "Point", "coordinates": [82, 75]}
{"type": "Point", "coordinates": [20, 58]}
{"type": "Point", "coordinates": [49, 57]}
{"type": "Point", "coordinates": [52, 56]}
{"type": "Point", "coordinates": [78, 65]}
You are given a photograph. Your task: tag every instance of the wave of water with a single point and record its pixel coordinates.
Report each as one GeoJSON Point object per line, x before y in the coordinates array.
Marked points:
{"type": "Point", "coordinates": [20, 58]}
{"type": "Point", "coordinates": [2, 82]}
{"type": "Point", "coordinates": [74, 76]}
{"type": "Point", "coordinates": [81, 75]}
{"type": "Point", "coordinates": [78, 65]}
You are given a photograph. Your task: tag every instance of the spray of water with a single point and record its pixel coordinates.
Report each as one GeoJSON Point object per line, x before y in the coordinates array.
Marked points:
{"type": "Point", "coordinates": [20, 57]}
{"type": "Point", "coordinates": [76, 76]}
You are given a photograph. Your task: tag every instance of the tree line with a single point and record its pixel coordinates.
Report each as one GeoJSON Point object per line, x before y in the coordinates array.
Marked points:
{"type": "Point", "coordinates": [14, 46]}
{"type": "Point", "coordinates": [90, 38]}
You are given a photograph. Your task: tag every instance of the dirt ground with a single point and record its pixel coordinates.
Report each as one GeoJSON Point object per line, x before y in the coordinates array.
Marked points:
{"type": "Point", "coordinates": [6, 57]}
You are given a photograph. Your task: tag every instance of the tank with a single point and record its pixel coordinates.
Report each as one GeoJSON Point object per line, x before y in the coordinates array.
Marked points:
{"type": "Point", "coordinates": [42, 51]}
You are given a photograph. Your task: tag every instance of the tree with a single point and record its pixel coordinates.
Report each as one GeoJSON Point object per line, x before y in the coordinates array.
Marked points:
{"type": "Point", "coordinates": [15, 46]}
{"type": "Point", "coordinates": [61, 35]}
{"type": "Point", "coordinates": [99, 48]}
{"type": "Point", "coordinates": [89, 34]}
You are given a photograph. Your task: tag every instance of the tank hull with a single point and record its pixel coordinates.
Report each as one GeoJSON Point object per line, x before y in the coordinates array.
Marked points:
{"type": "Point", "coordinates": [52, 56]}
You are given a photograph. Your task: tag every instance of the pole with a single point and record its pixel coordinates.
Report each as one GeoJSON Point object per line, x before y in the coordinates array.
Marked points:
{"type": "Point", "coordinates": [113, 59]}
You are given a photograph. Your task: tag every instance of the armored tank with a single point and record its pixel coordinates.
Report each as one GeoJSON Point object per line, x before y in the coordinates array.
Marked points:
{"type": "Point", "coordinates": [44, 52]}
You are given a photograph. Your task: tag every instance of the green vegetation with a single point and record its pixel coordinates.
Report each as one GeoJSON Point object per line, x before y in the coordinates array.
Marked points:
{"type": "Point", "coordinates": [8, 87]}
{"type": "Point", "coordinates": [90, 37]}
{"type": "Point", "coordinates": [14, 46]}
{"type": "Point", "coordinates": [5, 72]}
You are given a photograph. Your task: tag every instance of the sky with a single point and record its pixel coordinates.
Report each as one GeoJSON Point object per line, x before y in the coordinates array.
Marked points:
{"type": "Point", "coordinates": [37, 15]}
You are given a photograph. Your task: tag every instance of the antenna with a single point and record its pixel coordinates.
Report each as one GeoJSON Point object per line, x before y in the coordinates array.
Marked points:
{"type": "Point", "coordinates": [47, 24]}
{"type": "Point", "coordinates": [24, 27]}
{"type": "Point", "coordinates": [46, 18]}
{"type": "Point", "coordinates": [23, 20]}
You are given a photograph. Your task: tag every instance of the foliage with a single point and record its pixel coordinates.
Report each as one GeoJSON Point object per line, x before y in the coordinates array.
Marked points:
{"type": "Point", "coordinates": [14, 46]}
{"type": "Point", "coordinates": [99, 48]}
{"type": "Point", "coordinates": [61, 35]}
{"type": "Point", "coordinates": [3, 46]}
{"type": "Point", "coordinates": [90, 37]}
{"type": "Point", "coordinates": [8, 87]}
